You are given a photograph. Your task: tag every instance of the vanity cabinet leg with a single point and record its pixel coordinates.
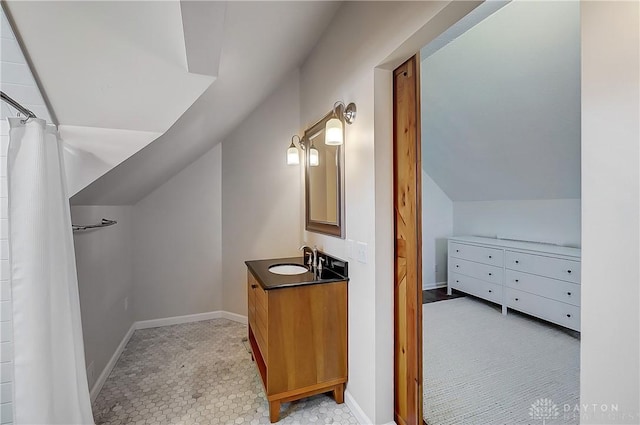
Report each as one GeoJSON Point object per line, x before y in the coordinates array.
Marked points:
{"type": "Point", "coordinates": [338, 393]}
{"type": "Point", "coordinates": [274, 411]}
{"type": "Point", "coordinates": [449, 290]}
{"type": "Point", "coordinates": [504, 310]}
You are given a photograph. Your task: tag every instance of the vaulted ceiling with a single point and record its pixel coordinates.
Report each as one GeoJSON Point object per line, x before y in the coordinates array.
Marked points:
{"type": "Point", "coordinates": [501, 106]}
{"type": "Point", "coordinates": [119, 65]}
{"type": "Point", "coordinates": [191, 70]}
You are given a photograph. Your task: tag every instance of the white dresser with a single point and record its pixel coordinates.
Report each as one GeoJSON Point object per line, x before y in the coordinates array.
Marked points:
{"type": "Point", "coordinates": [538, 279]}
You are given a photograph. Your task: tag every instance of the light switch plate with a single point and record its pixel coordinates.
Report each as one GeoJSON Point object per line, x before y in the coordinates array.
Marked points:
{"type": "Point", "coordinates": [362, 252]}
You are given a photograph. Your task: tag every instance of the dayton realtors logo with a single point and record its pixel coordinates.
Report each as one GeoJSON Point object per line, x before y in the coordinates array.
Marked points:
{"type": "Point", "coordinates": [544, 409]}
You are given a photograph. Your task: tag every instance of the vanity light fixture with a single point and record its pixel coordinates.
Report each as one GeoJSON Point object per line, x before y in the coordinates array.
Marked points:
{"type": "Point", "coordinates": [293, 157]}
{"type": "Point", "coordinates": [333, 129]}
{"type": "Point", "coordinates": [314, 157]}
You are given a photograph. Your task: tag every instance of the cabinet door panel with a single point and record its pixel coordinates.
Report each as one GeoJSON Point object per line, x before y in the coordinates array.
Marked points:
{"type": "Point", "coordinates": [307, 336]}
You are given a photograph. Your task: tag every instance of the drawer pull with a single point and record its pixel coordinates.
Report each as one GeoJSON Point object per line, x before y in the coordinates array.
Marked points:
{"type": "Point", "coordinates": [490, 290]}
{"type": "Point", "coordinates": [457, 265]}
{"type": "Point", "coordinates": [517, 281]}
{"type": "Point", "coordinates": [517, 299]}
{"type": "Point", "coordinates": [457, 250]}
{"type": "Point", "coordinates": [490, 257]}
{"type": "Point", "coordinates": [254, 286]}
{"type": "Point", "coordinates": [569, 293]}
{"type": "Point", "coordinates": [568, 315]}
{"type": "Point", "coordinates": [569, 271]}
{"type": "Point", "coordinates": [517, 262]}
{"type": "Point", "coordinates": [457, 281]}
{"type": "Point", "coordinates": [490, 274]}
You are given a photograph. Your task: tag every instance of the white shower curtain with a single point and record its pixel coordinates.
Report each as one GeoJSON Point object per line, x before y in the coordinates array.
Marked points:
{"type": "Point", "coordinates": [50, 382]}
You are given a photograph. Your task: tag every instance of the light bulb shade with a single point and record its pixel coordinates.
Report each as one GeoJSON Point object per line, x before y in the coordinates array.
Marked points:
{"type": "Point", "coordinates": [293, 158]}
{"type": "Point", "coordinates": [314, 158]}
{"type": "Point", "coordinates": [333, 132]}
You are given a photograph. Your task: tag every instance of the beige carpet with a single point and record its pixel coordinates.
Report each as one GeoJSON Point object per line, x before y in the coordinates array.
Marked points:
{"type": "Point", "coordinates": [481, 367]}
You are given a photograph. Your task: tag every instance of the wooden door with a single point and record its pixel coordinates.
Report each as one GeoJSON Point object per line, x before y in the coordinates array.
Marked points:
{"type": "Point", "coordinates": [408, 272]}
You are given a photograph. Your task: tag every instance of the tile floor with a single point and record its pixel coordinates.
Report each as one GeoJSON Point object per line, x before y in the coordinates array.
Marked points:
{"type": "Point", "coordinates": [198, 373]}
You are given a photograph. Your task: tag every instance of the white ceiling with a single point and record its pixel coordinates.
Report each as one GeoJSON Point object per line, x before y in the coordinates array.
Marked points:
{"type": "Point", "coordinates": [263, 43]}
{"type": "Point", "coordinates": [203, 24]}
{"type": "Point", "coordinates": [501, 106]}
{"type": "Point", "coordinates": [112, 64]}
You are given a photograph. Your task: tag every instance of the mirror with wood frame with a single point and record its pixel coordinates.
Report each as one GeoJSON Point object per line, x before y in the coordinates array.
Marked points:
{"type": "Point", "coordinates": [324, 182]}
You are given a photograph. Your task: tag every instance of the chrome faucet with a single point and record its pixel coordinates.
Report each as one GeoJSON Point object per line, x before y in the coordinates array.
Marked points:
{"type": "Point", "coordinates": [313, 256]}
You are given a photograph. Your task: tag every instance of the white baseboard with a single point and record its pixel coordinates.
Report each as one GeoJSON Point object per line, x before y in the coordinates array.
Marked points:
{"type": "Point", "coordinates": [156, 323]}
{"type": "Point", "coordinates": [234, 317]}
{"type": "Point", "coordinates": [355, 408]}
{"type": "Point", "coordinates": [357, 411]}
{"type": "Point", "coordinates": [97, 386]}
{"type": "Point", "coordinates": [177, 320]}
{"type": "Point", "coordinates": [434, 285]}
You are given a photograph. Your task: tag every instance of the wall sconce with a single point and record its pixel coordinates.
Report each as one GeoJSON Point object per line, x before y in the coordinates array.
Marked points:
{"type": "Point", "coordinates": [314, 157]}
{"type": "Point", "coordinates": [333, 134]}
{"type": "Point", "coordinates": [293, 157]}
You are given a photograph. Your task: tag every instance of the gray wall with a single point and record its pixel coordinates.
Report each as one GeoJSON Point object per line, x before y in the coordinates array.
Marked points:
{"type": "Point", "coordinates": [554, 221]}
{"type": "Point", "coordinates": [104, 260]}
{"type": "Point", "coordinates": [261, 195]}
{"type": "Point", "coordinates": [437, 226]}
{"type": "Point", "coordinates": [177, 243]}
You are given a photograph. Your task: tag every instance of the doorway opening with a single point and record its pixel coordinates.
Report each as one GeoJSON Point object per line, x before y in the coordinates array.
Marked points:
{"type": "Point", "coordinates": [498, 178]}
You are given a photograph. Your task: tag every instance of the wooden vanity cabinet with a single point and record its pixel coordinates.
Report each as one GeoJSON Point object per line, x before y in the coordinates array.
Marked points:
{"type": "Point", "coordinates": [298, 338]}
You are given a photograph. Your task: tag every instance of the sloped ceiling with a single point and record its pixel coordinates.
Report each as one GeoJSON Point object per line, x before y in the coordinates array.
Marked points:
{"type": "Point", "coordinates": [203, 23]}
{"type": "Point", "coordinates": [501, 106]}
{"type": "Point", "coordinates": [263, 43]}
{"type": "Point", "coordinates": [110, 64]}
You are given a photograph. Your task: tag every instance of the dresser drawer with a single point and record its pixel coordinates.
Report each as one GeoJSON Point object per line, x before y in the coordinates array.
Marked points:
{"type": "Point", "coordinates": [477, 287]}
{"type": "Point", "coordinates": [491, 274]}
{"type": "Point", "coordinates": [556, 268]}
{"type": "Point", "coordinates": [554, 311]}
{"type": "Point", "coordinates": [550, 288]}
{"type": "Point", "coordinates": [475, 253]}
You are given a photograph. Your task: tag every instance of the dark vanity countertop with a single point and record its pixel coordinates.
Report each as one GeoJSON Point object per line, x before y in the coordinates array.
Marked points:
{"type": "Point", "coordinates": [268, 280]}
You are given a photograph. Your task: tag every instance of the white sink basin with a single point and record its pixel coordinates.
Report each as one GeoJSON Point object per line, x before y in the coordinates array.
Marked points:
{"type": "Point", "coordinates": [288, 269]}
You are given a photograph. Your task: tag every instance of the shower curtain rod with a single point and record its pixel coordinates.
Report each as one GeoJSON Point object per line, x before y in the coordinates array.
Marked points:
{"type": "Point", "coordinates": [27, 113]}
